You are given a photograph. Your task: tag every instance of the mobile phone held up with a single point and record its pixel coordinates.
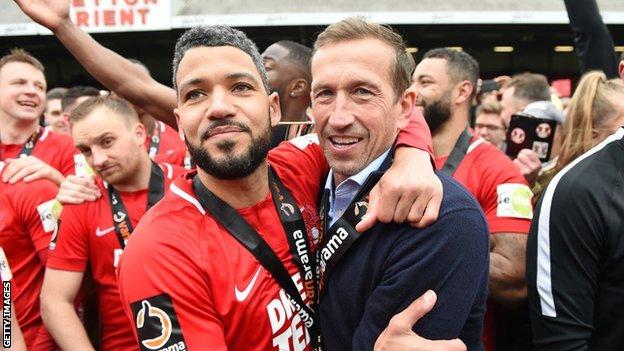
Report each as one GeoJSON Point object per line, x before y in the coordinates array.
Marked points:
{"type": "Point", "coordinates": [528, 132]}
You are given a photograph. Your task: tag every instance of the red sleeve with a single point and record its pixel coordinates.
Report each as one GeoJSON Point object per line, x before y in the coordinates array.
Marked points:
{"type": "Point", "coordinates": [34, 204]}
{"type": "Point", "coordinates": [505, 196]}
{"type": "Point", "coordinates": [416, 134]}
{"type": "Point", "coordinates": [304, 158]}
{"type": "Point", "coordinates": [172, 282]}
{"type": "Point", "coordinates": [69, 249]}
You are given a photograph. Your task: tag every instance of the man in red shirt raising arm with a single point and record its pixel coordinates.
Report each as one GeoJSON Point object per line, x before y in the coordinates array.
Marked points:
{"type": "Point", "coordinates": [134, 84]}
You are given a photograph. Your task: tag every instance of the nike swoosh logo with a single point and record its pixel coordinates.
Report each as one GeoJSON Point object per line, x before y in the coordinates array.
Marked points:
{"type": "Point", "coordinates": [99, 232]}
{"type": "Point", "coordinates": [242, 295]}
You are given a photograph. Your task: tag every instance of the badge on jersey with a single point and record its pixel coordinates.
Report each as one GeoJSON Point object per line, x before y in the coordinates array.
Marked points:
{"type": "Point", "coordinates": [157, 324]}
{"type": "Point", "coordinates": [81, 167]}
{"type": "Point", "coordinates": [514, 200]}
{"type": "Point", "coordinates": [5, 270]}
{"type": "Point", "coordinates": [46, 215]}
{"type": "Point", "coordinates": [54, 238]}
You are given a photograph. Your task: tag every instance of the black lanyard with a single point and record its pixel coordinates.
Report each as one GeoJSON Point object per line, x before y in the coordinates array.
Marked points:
{"type": "Point", "coordinates": [154, 141]}
{"type": "Point", "coordinates": [296, 233]}
{"type": "Point", "coordinates": [336, 240]}
{"type": "Point", "coordinates": [459, 152]}
{"type": "Point", "coordinates": [28, 147]}
{"type": "Point", "coordinates": [121, 217]}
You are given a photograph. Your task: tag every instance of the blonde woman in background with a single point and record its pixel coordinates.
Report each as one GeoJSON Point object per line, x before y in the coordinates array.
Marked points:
{"type": "Point", "coordinates": [595, 112]}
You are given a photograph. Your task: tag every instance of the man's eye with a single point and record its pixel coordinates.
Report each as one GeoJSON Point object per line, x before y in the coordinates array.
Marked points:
{"type": "Point", "coordinates": [193, 95]}
{"type": "Point", "coordinates": [362, 91]}
{"type": "Point", "coordinates": [324, 93]}
{"type": "Point", "coordinates": [242, 87]}
{"type": "Point", "coordinates": [107, 142]}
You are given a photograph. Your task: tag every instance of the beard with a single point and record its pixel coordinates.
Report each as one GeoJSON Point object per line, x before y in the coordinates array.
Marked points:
{"type": "Point", "coordinates": [231, 166]}
{"type": "Point", "coordinates": [437, 112]}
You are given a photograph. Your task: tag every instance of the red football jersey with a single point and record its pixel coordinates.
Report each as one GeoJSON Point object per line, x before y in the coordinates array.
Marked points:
{"type": "Point", "coordinates": [87, 234]}
{"type": "Point", "coordinates": [169, 146]}
{"type": "Point", "coordinates": [497, 184]}
{"type": "Point", "coordinates": [26, 225]}
{"type": "Point", "coordinates": [503, 193]}
{"type": "Point", "coordinates": [186, 283]}
{"type": "Point", "coordinates": [55, 149]}
{"type": "Point", "coordinates": [205, 288]}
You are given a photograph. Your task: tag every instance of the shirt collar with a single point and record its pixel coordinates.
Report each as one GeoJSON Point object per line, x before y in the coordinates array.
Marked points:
{"type": "Point", "coordinates": [358, 178]}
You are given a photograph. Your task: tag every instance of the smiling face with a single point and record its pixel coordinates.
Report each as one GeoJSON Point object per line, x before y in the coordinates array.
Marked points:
{"type": "Point", "coordinates": [112, 146]}
{"type": "Point", "coordinates": [224, 110]}
{"type": "Point", "coordinates": [22, 92]}
{"type": "Point", "coordinates": [355, 107]}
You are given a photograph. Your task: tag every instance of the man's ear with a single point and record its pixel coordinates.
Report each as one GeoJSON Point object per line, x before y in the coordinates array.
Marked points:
{"type": "Point", "coordinates": [621, 69]}
{"type": "Point", "coordinates": [407, 102]}
{"type": "Point", "coordinates": [275, 113]}
{"type": "Point", "coordinates": [464, 91]}
{"type": "Point", "coordinates": [139, 133]}
{"type": "Point", "coordinates": [298, 87]}
{"type": "Point", "coordinates": [176, 113]}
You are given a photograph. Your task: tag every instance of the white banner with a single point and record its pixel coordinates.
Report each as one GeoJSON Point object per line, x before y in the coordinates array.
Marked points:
{"type": "Point", "coordinates": [121, 15]}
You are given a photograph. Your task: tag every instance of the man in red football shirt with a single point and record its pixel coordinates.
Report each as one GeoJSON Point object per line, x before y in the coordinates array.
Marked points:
{"type": "Point", "coordinates": [26, 225]}
{"type": "Point", "coordinates": [445, 81]}
{"type": "Point", "coordinates": [185, 280]}
{"type": "Point", "coordinates": [29, 151]}
{"type": "Point", "coordinates": [107, 131]}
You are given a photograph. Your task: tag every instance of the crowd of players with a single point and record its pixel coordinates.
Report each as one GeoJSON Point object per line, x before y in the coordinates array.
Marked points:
{"type": "Point", "coordinates": [149, 218]}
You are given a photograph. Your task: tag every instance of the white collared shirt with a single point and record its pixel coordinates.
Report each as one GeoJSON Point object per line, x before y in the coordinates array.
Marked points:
{"type": "Point", "coordinates": [340, 199]}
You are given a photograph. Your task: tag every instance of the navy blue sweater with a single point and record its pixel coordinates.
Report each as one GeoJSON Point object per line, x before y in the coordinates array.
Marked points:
{"type": "Point", "coordinates": [391, 265]}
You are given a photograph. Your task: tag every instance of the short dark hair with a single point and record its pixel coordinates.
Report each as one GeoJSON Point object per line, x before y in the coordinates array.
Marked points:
{"type": "Point", "coordinates": [213, 36]}
{"type": "Point", "coordinates": [76, 92]}
{"type": "Point", "coordinates": [111, 103]}
{"type": "Point", "coordinates": [297, 53]}
{"type": "Point", "coordinates": [354, 28]}
{"type": "Point", "coordinates": [21, 55]}
{"type": "Point", "coordinates": [56, 93]}
{"type": "Point", "coordinates": [461, 66]}
{"type": "Point", "coordinates": [530, 87]}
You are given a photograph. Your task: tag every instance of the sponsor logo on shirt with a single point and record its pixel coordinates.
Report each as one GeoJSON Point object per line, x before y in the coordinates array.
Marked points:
{"type": "Point", "coordinates": [514, 200]}
{"type": "Point", "coordinates": [157, 324]}
{"type": "Point", "coordinates": [289, 331]}
{"type": "Point", "coordinates": [46, 215]}
{"type": "Point", "coordinates": [99, 232]}
{"type": "Point", "coordinates": [242, 295]}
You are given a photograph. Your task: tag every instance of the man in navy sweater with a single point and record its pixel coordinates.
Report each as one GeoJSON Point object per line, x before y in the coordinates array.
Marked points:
{"type": "Point", "coordinates": [360, 101]}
